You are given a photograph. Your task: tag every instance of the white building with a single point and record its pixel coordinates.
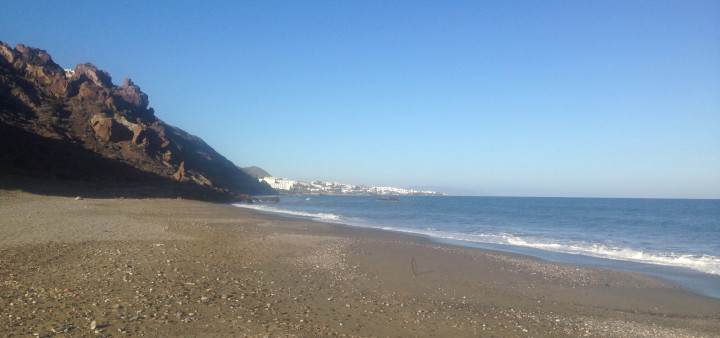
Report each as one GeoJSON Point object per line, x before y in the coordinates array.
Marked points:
{"type": "Point", "coordinates": [278, 183]}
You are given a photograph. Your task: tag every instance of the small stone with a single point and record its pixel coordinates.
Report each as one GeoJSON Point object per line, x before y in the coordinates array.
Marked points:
{"type": "Point", "coordinates": [78, 198]}
{"type": "Point", "coordinates": [93, 325]}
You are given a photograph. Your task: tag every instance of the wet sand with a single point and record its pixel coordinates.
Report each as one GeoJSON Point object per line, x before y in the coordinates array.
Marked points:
{"type": "Point", "coordinates": [168, 267]}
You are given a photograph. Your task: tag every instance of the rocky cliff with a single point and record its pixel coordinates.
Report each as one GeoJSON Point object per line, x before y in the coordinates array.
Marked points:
{"type": "Point", "coordinates": [80, 126]}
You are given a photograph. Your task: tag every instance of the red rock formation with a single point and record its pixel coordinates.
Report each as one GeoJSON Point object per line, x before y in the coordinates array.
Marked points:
{"type": "Point", "coordinates": [85, 72]}
{"type": "Point", "coordinates": [30, 69]}
{"type": "Point", "coordinates": [112, 121]}
{"type": "Point", "coordinates": [109, 129]}
{"type": "Point", "coordinates": [180, 174]}
{"type": "Point", "coordinates": [36, 64]}
{"type": "Point", "coordinates": [139, 135]}
{"type": "Point", "coordinates": [131, 94]}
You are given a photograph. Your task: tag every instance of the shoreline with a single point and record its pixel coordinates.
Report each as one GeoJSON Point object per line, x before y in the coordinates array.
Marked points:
{"type": "Point", "coordinates": [698, 282]}
{"type": "Point", "coordinates": [179, 267]}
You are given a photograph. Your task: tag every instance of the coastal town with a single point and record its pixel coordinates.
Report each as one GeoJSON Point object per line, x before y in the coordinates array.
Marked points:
{"type": "Point", "coordinates": [288, 186]}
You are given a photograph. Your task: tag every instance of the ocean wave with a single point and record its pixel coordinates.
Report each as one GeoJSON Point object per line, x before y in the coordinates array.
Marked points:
{"type": "Point", "coordinates": [322, 217]}
{"type": "Point", "coordinates": [699, 262]}
{"type": "Point", "coordinates": [703, 263]}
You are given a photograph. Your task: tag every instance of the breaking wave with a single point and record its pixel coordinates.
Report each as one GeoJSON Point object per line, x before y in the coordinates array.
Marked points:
{"type": "Point", "coordinates": [698, 262]}
{"type": "Point", "coordinates": [321, 217]}
{"type": "Point", "coordinates": [703, 263]}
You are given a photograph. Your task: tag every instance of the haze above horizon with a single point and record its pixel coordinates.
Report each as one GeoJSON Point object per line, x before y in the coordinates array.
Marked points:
{"type": "Point", "coordinates": [573, 99]}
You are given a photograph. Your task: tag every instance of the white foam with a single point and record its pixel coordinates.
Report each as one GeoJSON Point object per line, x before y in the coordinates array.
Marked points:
{"type": "Point", "coordinates": [323, 217]}
{"type": "Point", "coordinates": [703, 263]}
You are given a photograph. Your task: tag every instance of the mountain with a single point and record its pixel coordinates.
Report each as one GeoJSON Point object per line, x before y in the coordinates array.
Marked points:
{"type": "Point", "coordinates": [78, 125]}
{"type": "Point", "coordinates": [256, 172]}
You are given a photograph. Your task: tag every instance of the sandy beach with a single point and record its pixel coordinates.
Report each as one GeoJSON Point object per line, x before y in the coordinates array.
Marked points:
{"type": "Point", "coordinates": [170, 267]}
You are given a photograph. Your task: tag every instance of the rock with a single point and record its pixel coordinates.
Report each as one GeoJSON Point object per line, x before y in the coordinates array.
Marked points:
{"type": "Point", "coordinates": [180, 173]}
{"type": "Point", "coordinates": [33, 55]}
{"type": "Point", "coordinates": [36, 64]}
{"type": "Point", "coordinates": [157, 126]}
{"type": "Point", "coordinates": [107, 129]}
{"type": "Point", "coordinates": [77, 125]}
{"type": "Point", "coordinates": [274, 199]}
{"type": "Point", "coordinates": [85, 72]}
{"type": "Point", "coordinates": [91, 92]}
{"type": "Point", "coordinates": [7, 55]}
{"type": "Point", "coordinates": [93, 325]}
{"type": "Point", "coordinates": [167, 156]}
{"type": "Point", "coordinates": [139, 135]}
{"type": "Point", "coordinates": [78, 198]}
{"type": "Point", "coordinates": [132, 95]}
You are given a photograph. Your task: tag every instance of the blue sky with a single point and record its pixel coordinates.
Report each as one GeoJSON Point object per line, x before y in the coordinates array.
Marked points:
{"type": "Point", "coordinates": [511, 98]}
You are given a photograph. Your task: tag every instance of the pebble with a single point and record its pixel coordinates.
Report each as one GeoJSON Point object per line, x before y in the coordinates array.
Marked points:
{"type": "Point", "coordinates": [242, 294]}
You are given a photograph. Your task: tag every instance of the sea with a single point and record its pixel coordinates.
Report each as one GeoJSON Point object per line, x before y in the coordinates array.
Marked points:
{"type": "Point", "coordinates": [677, 240]}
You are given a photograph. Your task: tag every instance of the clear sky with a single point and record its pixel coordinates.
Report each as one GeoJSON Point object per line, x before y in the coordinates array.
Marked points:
{"type": "Point", "coordinates": [511, 98]}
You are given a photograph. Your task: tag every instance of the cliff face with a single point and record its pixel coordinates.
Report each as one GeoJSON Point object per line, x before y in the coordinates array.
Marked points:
{"type": "Point", "coordinates": [52, 124]}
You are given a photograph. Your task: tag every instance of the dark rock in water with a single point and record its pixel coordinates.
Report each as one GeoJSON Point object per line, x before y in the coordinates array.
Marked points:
{"type": "Point", "coordinates": [388, 199]}
{"type": "Point", "coordinates": [273, 199]}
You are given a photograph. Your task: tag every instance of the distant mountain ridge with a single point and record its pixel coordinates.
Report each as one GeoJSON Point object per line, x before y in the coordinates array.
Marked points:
{"type": "Point", "coordinates": [77, 125]}
{"type": "Point", "coordinates": [256, 172]}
